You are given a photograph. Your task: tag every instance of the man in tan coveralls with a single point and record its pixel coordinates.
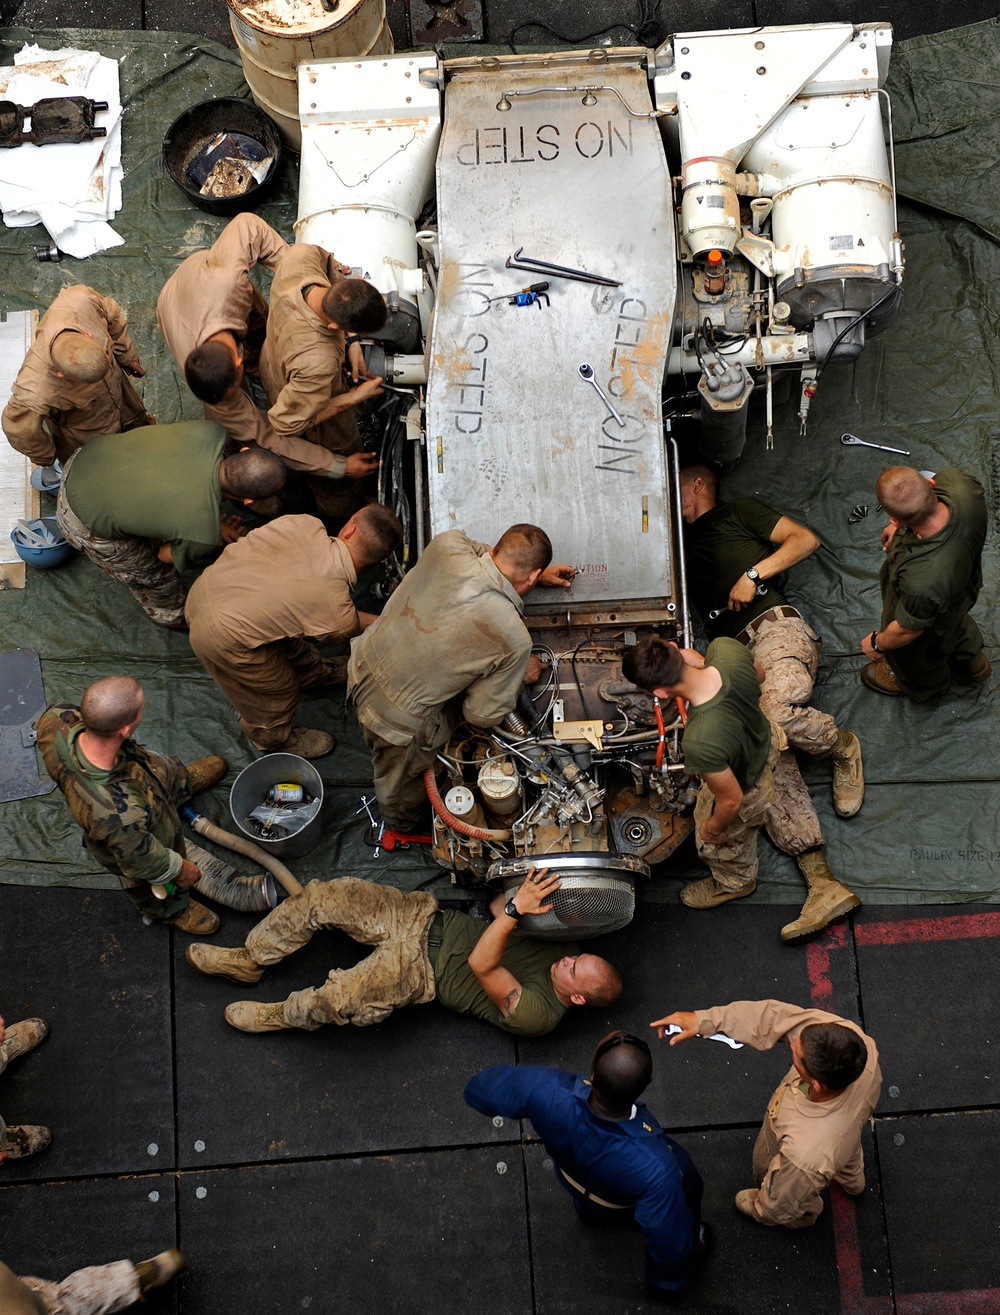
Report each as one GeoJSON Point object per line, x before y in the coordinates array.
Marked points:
{"type": "Point", "coordinates": [313, 308]}
{"type": "Point", "coordinates": [213, 318]}
{"type": "Point", "coordinates": [72, 384]}
{"type": "Point", "coordinates": [451, 645]}
{"type": "Point", "coordinates": [811, 1134]}
{"type": "Point", "coordinates": [253, 612]}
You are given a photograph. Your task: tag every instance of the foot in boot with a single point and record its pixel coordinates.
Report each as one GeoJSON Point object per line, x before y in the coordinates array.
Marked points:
{"type": "Point", "coordinates": [203, 773]}
{"type": "Point", "coordinates": [745, 1202]}
{"type": "Point", "coordinates": [979, 669]}
{"type": "Point", "coordinates": [22, 1037]}
{"type": "Point", "coordinates": [707, 893]}
{"type": "Point", "coordinates": [156, 1271]}
{"type": "Point", "coordinates": [334, 672]}
{"type": "Point", "coordinates": [250, 1017]}
{"type": "Point", "coordinates": [24, 1139]}
{"type": "Point", "coordinates": [848, 774]}
{"type": "Point", "coordinates": [218, 961]}
{"type": "Point", "coordinates": [196, 920]}
{"type": "Point", "coordinates": [828, 898]}
{"type": "Point", "coordinates": [878, 676]}
{"type": "Point", "coordinates": [306, 742]}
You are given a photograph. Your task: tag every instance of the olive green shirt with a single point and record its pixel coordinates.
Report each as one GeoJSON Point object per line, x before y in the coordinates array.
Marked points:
{"type": "Point", "coordinates": [530, 961]}
{"type": "Point", "coordinates": [720, 546]}
{"type": "Point", "coordinates": [729, 730]}
{"type": "Point", "coordinates": [160, 483]}
{"type": "Point", "coordinates": [930, 583]}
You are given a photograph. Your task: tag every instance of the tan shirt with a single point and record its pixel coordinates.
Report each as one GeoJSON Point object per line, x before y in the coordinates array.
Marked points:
{"type": "Point", "coordinates": [284, 580]}
{"type": "Point", "coordinates": [48, 418]}
{"type": "Point", "coordinates": [451, 631]}
{"type": "Point", "coordinates": [302, 363]}
{"type": "Point", "coordinates": [808, 1144]}
{"type": "Point", "coordinates": [212, 292]}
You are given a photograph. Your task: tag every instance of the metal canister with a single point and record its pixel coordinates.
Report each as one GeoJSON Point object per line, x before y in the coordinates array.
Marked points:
{"type": "Point", "coordinates": [286, 794]}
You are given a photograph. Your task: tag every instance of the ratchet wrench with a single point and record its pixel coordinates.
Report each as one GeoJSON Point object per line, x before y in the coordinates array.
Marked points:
{"type": "Point", "coordinates": [671, 1028]}
{"type": "Point", "coordinates": [587, 375]}
{"type": "Point", "coordinates": [851, 440]}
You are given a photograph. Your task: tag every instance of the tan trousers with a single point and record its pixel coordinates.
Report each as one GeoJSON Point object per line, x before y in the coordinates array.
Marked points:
{"type": "Point", "coordinates": [262, 683]}
{"type": "Point", "coordinates": [398, 770]}
{"type": "Point", "coordinates": [398, 971]}
{"type": "Point", "coordinates": [96, 1290]}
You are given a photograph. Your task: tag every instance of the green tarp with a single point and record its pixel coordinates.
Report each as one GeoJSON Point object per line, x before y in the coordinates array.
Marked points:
{"type": "Point", "coordinates": [930, 826]}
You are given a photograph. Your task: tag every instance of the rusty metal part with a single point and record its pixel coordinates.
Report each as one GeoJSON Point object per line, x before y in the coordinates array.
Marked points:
{"type": "Point", "coordinates": [432, 21]}
{"type": "Point", "coordinates": [64, 119]}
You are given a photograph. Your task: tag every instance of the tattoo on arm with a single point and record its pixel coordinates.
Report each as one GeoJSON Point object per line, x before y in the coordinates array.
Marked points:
{"type": "Point", "coordinates": [510, 1001]}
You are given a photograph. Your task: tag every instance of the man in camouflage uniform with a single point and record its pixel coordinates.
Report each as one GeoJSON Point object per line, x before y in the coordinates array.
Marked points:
{"type": "Point", "coordinates": [736, 552]}
{"type": "Point", "coordinates": [451, 644]}
{"type": "Point", "coordinates": [126, 799]}
{"type": "Point", "coordinates": [313, 308]}
{"type": "Point", "coordinates": [73, 382]}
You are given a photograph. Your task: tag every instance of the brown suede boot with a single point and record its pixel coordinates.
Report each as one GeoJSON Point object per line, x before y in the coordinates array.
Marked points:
{"type": "Point", "coordinates": [304, 741]}
{"type": "Point", "coordinates": [848, 774]}
{"type": "Point", "coordinates": [203, 773]}
{"type": "Point", "coordinates": [24, 1139]}
{"type": "Point", "coordinates": [217, 960]}
{"type": "Point", "coordinates": [827, 900]}
{"type": "Point", "coordinates": [156, 1271]}
{"type": "Point", "coordinates": [250, 1017]}
{"type": "Point", "coordinates": [708, 894]}
{"type": "Point", "coordinates": [196, 920]}
{"type": "Point", "coordinates": [24, 1036]}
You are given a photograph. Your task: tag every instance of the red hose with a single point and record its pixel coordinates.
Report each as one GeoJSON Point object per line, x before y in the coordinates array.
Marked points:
{"type": "Point", "coordinates": [456, 823]}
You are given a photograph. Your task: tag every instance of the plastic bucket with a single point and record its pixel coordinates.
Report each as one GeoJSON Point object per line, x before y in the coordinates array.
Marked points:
{"type": "Point", "coordinates": [190, 130]}
{"type": "Point", "coordinates": [252, 785]}
{"type": "Point", "coordinates": [275, 36]}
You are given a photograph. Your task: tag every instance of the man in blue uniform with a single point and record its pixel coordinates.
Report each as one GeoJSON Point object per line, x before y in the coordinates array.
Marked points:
{"type": "Point", "coordinates": [610, 1153]}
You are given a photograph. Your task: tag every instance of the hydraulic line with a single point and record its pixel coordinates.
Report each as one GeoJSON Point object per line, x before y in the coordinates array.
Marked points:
{"type": "Point", "coordinates": [456, 823]}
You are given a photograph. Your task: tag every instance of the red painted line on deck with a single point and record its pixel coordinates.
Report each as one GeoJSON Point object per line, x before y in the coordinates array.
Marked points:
{"type": "Point", "coordinates": [853, 1298]}
{"type": "Point", "coordinates": [910, 931]}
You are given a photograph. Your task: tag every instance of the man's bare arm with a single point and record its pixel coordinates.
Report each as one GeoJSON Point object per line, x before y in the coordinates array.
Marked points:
{"type": "Point", "coordinates": [794, 542]}
{"type": "Point", "coordinates": [728, 798]}
{"type": "Point", "coordinates": [498, 982]}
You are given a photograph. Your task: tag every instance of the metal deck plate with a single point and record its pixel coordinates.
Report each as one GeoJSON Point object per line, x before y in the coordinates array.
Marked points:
{"type": "Point", "coordinates": [22, 698]}
{"type": "Point", "coordinates": [513, 432]}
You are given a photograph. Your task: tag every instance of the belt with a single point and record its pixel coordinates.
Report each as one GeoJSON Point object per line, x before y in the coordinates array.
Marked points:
{"type": "Point", "coordinates": [781, 613]}
{"type": "Point", "coordinates": [591, 1196]}
{"type": "Point", "coordinates": [435, 935]}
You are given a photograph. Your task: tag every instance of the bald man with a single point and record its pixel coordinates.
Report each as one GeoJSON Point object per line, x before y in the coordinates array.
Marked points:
{"type": "Point", "coordinates": [930, 581]}
{"type": "Point", "coordinates": [126, 799]}
{"type": "Point", "coordinates": [72, 384]}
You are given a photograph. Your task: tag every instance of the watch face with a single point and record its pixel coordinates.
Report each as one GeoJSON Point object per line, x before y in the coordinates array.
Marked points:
{"type": "Point", "coordinates": [753, 573]}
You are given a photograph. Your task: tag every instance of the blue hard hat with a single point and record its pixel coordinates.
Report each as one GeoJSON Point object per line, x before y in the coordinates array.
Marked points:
{"type": "Point", "coordinates": [40, 542]}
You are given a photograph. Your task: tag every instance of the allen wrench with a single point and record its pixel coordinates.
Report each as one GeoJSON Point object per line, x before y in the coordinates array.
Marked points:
{"type": "Point", "coordinates": [518, 261]}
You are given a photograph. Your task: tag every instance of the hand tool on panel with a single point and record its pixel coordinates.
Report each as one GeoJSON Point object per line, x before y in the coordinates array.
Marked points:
{"type": "Point", "coordinates": [587, 375]}
{"type": "Point", "coordinates": [519, 261]}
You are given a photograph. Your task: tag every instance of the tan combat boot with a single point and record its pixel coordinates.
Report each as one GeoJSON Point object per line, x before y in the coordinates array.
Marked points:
{"type": "Point", "coordinates": [306, 742]}
{"type": "Point", "coordinates": [156, 1271]}
{"type": "Point", "coordinates": [745, 1202]}
{"type": "Point", "coordinates": [250, 1017]}
{"type": "Point", "coordinates": [827, 900]}
{"type": "Point", "coordinates": [196, 920]}
{"type": "Point", "coordinates": [24, 1036]}
{"type": "Point", "coordinates": [203, 773]}
{"type": "Point", "coordinates": [216, 960]}
{"type": "Point", "coordinates": [848, 774]}
{"type": "Point", "coordinates": [708, 894]}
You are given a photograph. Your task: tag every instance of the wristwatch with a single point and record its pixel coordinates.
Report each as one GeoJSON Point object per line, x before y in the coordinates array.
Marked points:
{"type": "Point", "coordinates": [351, 339]}
{"type": "Point", "coordinates": [512, 911]}
{"type": "Point", "coordinates": [873, 640]}
{"type": "Point", "coordinates": [753, 574]}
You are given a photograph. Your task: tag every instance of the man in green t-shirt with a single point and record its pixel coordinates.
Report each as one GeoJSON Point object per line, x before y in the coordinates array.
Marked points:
{"type": "Point", "coordinates": [729, 743]}
{"type": "Point", "coordinates": [147, 504]}
{"type": "Point", "coordinates": [930, 580]}
{"type": "Point", "coordinates": [737, 553]}
{"type": "Point", "coordinates": [420, 953]}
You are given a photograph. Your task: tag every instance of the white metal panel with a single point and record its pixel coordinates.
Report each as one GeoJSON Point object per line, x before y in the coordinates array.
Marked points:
{"type": "Point", "coordinates": [513, 433]}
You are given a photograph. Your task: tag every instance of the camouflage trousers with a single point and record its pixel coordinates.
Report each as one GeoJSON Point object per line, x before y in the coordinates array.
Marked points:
{"type": "Point", "coordinates": [96, 1290]}
{"type": "Point", "coordinates": [734, 863]}
{"type": "Point", "coordinates": [155, 585]}
{"type": "Point", "coordinates": [788, 650]}
{"type": "Point", "coordinates": [397, 972]}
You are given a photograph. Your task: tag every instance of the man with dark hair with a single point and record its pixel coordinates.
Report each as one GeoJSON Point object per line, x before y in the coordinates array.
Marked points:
{"type": "Point", "coordinates": [737, 553]}
{"type": "Point", "coordinates": [126, 799]}
{"type": "Point", "coordinates": [213, 317]}
{"type": "Point", "coordinates": [609, 1151]}
{"type": "Point", "coordinates": [450, 643]}
{"type": "Point", "coordinates": [422, 952]}
{"type": "Point", "coordinates": [811, 1135]}
{"type": "Point", "coordinates": [930, 581]}
{"type": "Point", "coordinates": [254, 612]}
{"type": "Point", "coordinates": [313, 308]}
{"type": "Point", "coordinates": [733, 747]}
{"type": "Point", "coordinates": [73, 382]}
{"type": "Point", "coordinates": [145, 505]}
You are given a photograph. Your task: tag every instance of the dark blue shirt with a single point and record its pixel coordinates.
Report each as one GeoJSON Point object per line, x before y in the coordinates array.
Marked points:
{"type": "Point", "coordinates": [631, 1162]}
